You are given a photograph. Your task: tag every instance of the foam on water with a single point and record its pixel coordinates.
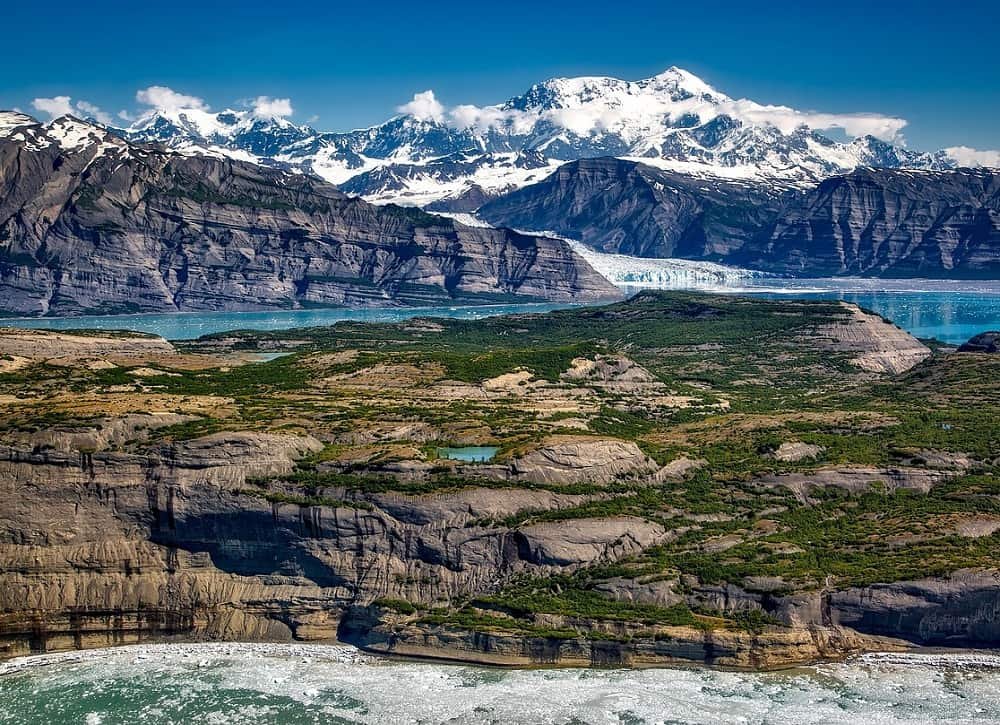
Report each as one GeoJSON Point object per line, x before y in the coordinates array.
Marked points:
{"type": "Point", "coordinates": [233, 683]}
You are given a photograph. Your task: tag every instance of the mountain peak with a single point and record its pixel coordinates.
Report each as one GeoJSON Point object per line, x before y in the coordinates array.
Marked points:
{"type": "Point", "coordinates": [682, 79]}
{"type": "Point", "coordinates": [74, 134]}
{"type": "Point", "coordinates": [10, 120]}
{"type": "Point", "coordinates": [672, 120]}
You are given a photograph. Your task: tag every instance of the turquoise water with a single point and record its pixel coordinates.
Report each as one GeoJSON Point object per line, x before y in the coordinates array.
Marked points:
{"type": "Point", "coordinates": [293, 684]}
{"type": "Point", "coordinates": [950, 316]}
{"type": "Point", "coordinates": [190, 325]}
{"type": "Point", "coordinates": [469, 454]}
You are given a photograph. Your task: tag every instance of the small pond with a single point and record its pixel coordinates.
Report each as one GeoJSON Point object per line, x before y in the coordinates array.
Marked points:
{"type": "Point", "coordinates": [469, 454]}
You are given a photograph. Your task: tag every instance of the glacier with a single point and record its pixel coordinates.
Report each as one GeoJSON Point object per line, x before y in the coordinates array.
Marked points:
{"type": "Point", "coordinates": [632, 273]}
{"type": "Point", "coordinates": [637, 272]}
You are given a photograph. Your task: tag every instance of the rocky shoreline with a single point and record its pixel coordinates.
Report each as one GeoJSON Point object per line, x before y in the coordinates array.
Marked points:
{"type": "Point", "coordinates": [780, 648]}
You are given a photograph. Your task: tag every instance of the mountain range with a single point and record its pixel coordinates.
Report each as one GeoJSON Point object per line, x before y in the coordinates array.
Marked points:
{"type": "Point", "coordinates": [90, 222]}
{"type": "Point", "coordinates": [188, 209]}
{"type": "Point", "coordinates": [868, 222]}
{"type": "Point", "coordinates": [457, 158]}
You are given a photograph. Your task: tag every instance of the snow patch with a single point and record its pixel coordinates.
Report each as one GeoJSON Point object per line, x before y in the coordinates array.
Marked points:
{"type": "Point", "coordinates": [11, 120]}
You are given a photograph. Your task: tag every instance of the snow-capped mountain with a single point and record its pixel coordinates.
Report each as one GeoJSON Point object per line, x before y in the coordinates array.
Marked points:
{"type": "Point", "coordinates": [240, 134]}
{"type": "Point", "coordinates": [90, 222]}
{"type": "Point", "coordinates": [66, 134]}
{"type": "Point", "coordinates": [458, 157]}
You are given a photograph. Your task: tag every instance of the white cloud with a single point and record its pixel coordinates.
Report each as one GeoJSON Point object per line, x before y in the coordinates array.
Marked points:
{"type": "Point", "coordinates": [966, 156]}
{"type": "Point", "coordinates": [167, 99]}
{"type": "Point", "coordinates": [483, 118]}
{"type": "Point", "coordinates": [637, 110]}
{"type": "Point", "coordinates": [55, 107]}
{"type": "Point", "coordinates": [787, 119]}
{"type": "Point", "coordinates": [64, 106]}
{"type": "Point", "coordinates": [265, 107]}
{"type": "Point", "coordinates": [424, 107]}
{"type": "Point", "coordinates": [94, 112]}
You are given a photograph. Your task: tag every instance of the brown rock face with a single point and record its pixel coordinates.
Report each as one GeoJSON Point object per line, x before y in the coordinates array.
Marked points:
{"type": "Point", "coordinates": [38, 345]}
{"type": "Point", "coordinates": [621, 645]}
{"type": "Point", "coordinates": [90, 223]}
{"type": "Point", "coordinates": [100, 547]}
{"type": "Point", "coordinates": [570, 459]}
{"type": "Point", "coordinates": [879, 346]}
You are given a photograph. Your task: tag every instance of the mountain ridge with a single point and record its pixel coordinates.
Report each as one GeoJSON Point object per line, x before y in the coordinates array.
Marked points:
{"type": "Point", "coordinates": [92, 223]}
{"type": "Point", "coordinates": [430, 154]}
{"type": "Point", "coordinates": [869, 222]}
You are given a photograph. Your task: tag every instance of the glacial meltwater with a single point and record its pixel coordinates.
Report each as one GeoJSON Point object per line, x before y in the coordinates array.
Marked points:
{"type": "Point", "coordinates": [949, 311]}
{"type": "Point", "coordinates": [951, 317]}
{"type": "Point", "coordinates": [262, 683]}
{"type": "Point", "coordinates": [191, 325]}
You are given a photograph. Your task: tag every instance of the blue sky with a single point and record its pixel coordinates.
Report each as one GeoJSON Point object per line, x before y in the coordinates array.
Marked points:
{"type": "Point", "coordinates": [346, 65]}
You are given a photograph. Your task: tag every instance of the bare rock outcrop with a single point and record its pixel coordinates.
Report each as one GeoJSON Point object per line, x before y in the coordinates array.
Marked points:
{"type": "Point", "coordinates": [879, 346]}
{"type": "Point", "coordinates": [101, 547]}
{"type": "Point", "coordinates": [614, 644]}
{"type": "Point", "coordinates": [38, 345]}
{"type": "Point", "coordinates": [961, 609]}
{"type": "Point", "coordinates": [793, 451]}
{"type": "Point", "coordinates": [988, 342]}
{"type": "Point", "coordinates": [577, 459]}
{"type": "Point", "coordinates": [857, 479]}
{"type": "Point", "coordinates": [582, 541]}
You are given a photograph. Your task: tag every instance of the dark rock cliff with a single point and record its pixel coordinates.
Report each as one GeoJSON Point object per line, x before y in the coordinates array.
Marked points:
{"type": "Point", "coordinates": [983, 342]}
{"type": "Point", "coordinates": [871, 222]}
{"type": "Point", "coordinates": [630, 208]}
{"type": "Point", "coordinates": [889, 223]}
{"type": "Point", "coordinates": [90, 223]}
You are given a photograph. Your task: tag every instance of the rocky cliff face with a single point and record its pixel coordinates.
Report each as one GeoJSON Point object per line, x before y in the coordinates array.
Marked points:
{"type": "Point", "coordinates": [90, 223]}
{"type": "Point", "coordinates": [614, 646]}
{"type": "Point", "coordinates": [983, 342]}
{"type": "Point", "coordinates": [889, 223]}
{"type": "Point", "coordinates": [872, 222]}
{"type": "Point", "coordinates": [99, 547]}
{"type": "Point", "coordinates": [642, 507]}
{"type": "Point", "coordinates": [630, 208]}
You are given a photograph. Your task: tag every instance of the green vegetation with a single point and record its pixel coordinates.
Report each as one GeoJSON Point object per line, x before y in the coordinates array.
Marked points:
{"type": "Point", "coordinates": [295, 499]}
{"type": "Point", "coordinates": [574, 596]}
{"type": "Point", "coordinates": [379, 394]}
